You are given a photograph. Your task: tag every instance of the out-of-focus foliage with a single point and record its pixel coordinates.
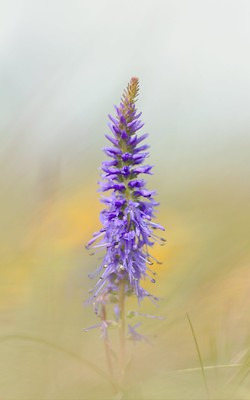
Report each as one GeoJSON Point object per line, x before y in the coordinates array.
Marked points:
{"type": "Point", "coordinates": [44, 283]}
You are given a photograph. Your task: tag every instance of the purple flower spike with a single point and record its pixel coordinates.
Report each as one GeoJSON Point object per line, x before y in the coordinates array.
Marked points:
{"type": "Point", "coordinates": [128, 229]}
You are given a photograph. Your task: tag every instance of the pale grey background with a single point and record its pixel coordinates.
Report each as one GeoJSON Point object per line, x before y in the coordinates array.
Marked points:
{"type": "Point", "coordinates": [64, 64]}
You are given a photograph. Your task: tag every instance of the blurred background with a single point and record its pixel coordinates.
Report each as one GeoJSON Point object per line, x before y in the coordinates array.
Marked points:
{"type": "Point", "coordinates": [63, 65]}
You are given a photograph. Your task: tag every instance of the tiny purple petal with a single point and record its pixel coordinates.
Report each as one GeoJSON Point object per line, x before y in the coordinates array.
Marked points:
{"type": "Point", "coordinates": [136, 183]}
{"type": "Point", "coordinates": [129, 235]}
{"type": "Point", "coordinates": [122, 119]}
{"type": "Point", "coordinates": [144, 147]}
{"type": "Point", "coordinates": [143, 170]}
{"type": "Point", "coordinates": [141, 138]}
{"type": "Point", "coordinates": [124, 134]}
{"type": "Point", "coordinates": [126, 157]}
{"type": "Point", "coordinates": [144, 193]}
{"type": "Point", "coordinates": [113, 119]}
{"type": "Point", "coordinates": [112, 140]}
{"type": "Point", "coordinates": [112, 150]}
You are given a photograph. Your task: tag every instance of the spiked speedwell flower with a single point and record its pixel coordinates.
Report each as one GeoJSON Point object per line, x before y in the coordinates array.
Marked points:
{"type": "Point", "coordinates": [128, 229]}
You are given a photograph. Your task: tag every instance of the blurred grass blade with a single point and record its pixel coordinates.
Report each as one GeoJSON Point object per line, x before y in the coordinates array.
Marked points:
{"type": "Point", "coordinates": [206, 368]}
{"type": "Point", "coordinates": [199, 355]}
{"type": "Point", "coordinates": [243, 372]}
{"type": "Point", "coordinates": [245, 369]}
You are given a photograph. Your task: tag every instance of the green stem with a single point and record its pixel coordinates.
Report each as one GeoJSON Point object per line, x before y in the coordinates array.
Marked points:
{"type": "Point", "coordinates": [121, 299]}
{"type": "Point", "coordinates": [107, 345]}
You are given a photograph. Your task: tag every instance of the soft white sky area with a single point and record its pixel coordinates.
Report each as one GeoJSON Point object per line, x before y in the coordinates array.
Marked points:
{"type": "Point", "coordinates": [63, 64]}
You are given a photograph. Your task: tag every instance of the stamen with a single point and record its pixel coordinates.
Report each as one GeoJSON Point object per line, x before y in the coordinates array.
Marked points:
{"type": "Point", "coordinates": [152, 272]}
{"type": "Point", "coordinates": [102, 245]}
{"type": "Point", "coordinates": [100, 287]}
{"type": "Point", "coordinates": [146, 260]}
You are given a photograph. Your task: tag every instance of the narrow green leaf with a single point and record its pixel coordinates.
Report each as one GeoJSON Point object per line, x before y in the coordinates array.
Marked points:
{"type": "Point", "coordinates": [200, 358]}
